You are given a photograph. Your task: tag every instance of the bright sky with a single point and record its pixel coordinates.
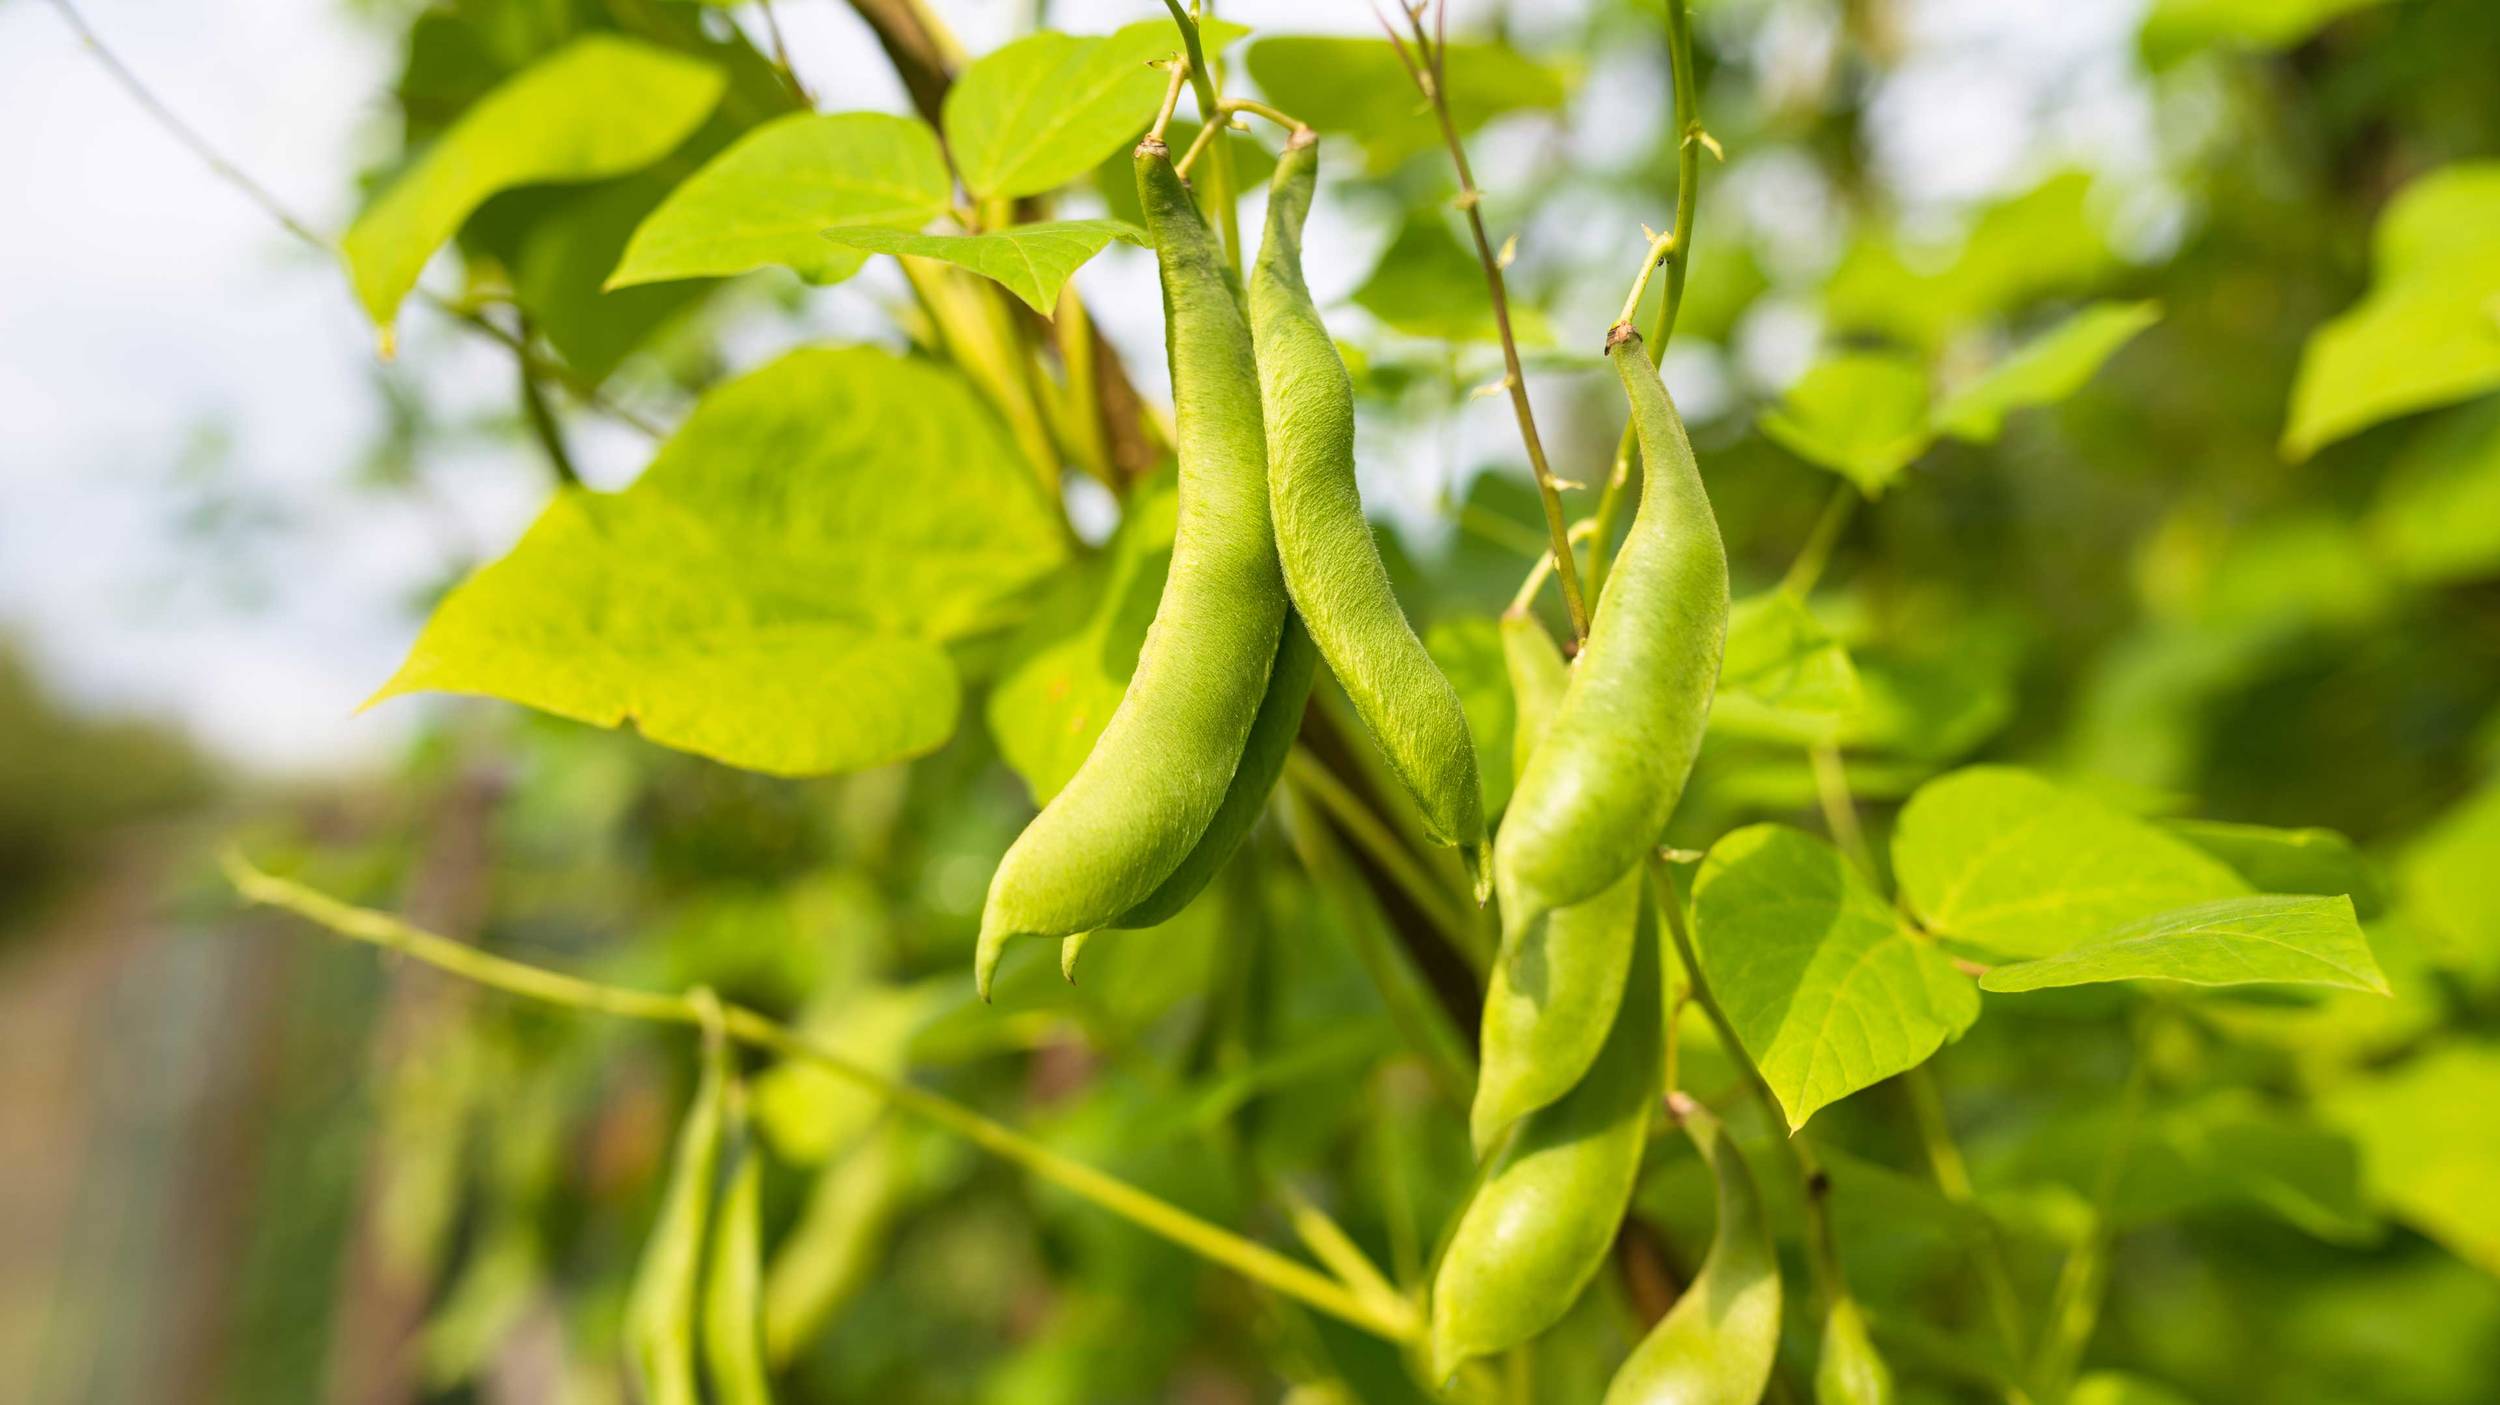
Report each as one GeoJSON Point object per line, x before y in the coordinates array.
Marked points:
{"type": "Point", "coordinates": [172, 366]}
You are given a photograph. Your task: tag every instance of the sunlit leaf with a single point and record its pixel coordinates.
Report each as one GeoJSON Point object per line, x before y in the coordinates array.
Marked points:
{"type": "Point", "coordinates": [1427, 284]}
{"type": "Point", "coordinates": [1824, 987]}
{"type": "Point", "coordinates": [2003, 860]}
{"type": "Point", "coordinates": [1780, 657]}
{"type": "Point", "coordinates": [2428, 332]}
{"type": "Point", "coordinates": [2449, 878]}
{"type": "Point", "coordinates": [2430, 1149]}
{"type": "Point", "coordinates": [1863, 415]}
{"type": "Point", "coordinates": [2176, 28]}
{"type": "Point", "coordinates": [2043, 242]}
{"type": "Point", "coordinates": [2264, 940]}
{"type": "Point", "coordinates": [1032, 261]}
{"type": "Point", "coordinates": [601, 106]}
{"type": "Point", "coordinates": [1356, 85]}
{"type": "Point", "coordinates": [771, 198]}
{"type": "Point", "coordinates": [1041, 111]}
{"type": "Point", "coordinates": [1069, 666]}
{"type": "Point", "coordinates": [775, 590]}
{"type": "Point", "coordinates": [2045, 370]}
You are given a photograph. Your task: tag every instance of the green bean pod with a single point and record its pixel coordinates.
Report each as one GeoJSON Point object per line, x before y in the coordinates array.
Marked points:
{"type": "Point", "coordinates": [1610, 769]}
{"type": "Point", "coordinates": [1849, 1371]}
{"type": "Point", "coordinates": [1262, 762]}
{"type": "Point", "coordinates": [1554, 985]}
{"type": "Point", "coordinates": [1545, 1213]}
{"type": "Point", "coordinates": [1717, 1344]}
{"type": "Point", "coordinates": [1332, 566]}
{"type": "Point", "coordinates": [1160, 771]}
{"type": "Point", "coordinates": [660, 1307]}
{"type": "Point", "coordinates": [733, 1309]}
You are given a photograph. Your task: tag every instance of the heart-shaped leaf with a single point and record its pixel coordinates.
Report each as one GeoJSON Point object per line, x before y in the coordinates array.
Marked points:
{"type": "Point", "coordinates": [775, 590]}
{"type": "Point", "coordinates": [771, 197]}
{"type": "Point", "coordinates": [599, 107]}
{"type": "Point", "coordinates": [1825, 989]}
{"type": "Point", "coordinates": [1032, 261]}
{"type": "Point", "coordinates": [1863, 415]}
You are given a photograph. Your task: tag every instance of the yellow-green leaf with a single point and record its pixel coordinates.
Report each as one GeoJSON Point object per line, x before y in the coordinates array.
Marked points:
{"type": "Point", "coordinates": [1863, 415]}
{"type": "Point", "coordinates": [771, 198]}
{"type": "Point", "coordinates": [1040, 112]}
{"type": "Point", "coordinates": [1356, 85]}
{"type": "Point", "coordinates": [1823, 986]}
{"type": "Point", "coordinates": [2044, 370]}
{"type": "Point", "coordinates": [599, 107]}
{"type": "Point", "coordinates": [2271, 939]}
{"type": "Point", "coordinates": [775, 590]}
{"type": "Point", "coordinates": [2430, 1150]}
{"type": "Point", "coordinates": [1032, 261]}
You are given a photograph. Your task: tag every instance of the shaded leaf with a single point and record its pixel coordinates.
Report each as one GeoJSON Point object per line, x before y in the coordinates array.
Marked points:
{"type": "Point", "coordinates": [1779, 656]}
{"type": "Point", "coordinates": [770, 198]}
{"type": "Point", "coordinates": [1863, 415]}
{"type": "Point", "coordinates": [1032, 261]}
{"type": "Point", "coordinates": [2430, 1151]}
{"type": "Point", "coordinates": [2045, 370]}
{"type": "Point", "coordinates": [2039, 243]}
{"type": "Point", "coordinates": [1068, 667]}
{"type": "Point", "coordinates": [1357, 86]}
{"type": "Point", "coordinates": [2006, 861]}
{"type": "Point", "coordinates": [2177, 28]}
{"type": "Point", "coordinates": [2290, 860]}
{"type": "Point", "coordinates": [1823, 986]}
{"type": "Point", "coordinates": [2437, 516]}
{"type": "Point", "coordinates": [2266, 940]}
{"type": "Point", "coordinates": [599, 107]}
{"type": "Point", "coordinates": [2447, 879]}
{"type": "Point", "coordinates": [774, 591]}
{"type": "Point", "coordinates": [1428, 284]}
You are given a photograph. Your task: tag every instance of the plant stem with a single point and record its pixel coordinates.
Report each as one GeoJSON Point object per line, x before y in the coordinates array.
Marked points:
{"type": "Point", "coordinates": [1427, 67]}
{"type": "Point", "coordinates": [1372, 833]}
{"type": "Point", "coordinates": [1211, 115]}
{"type": "Point", "coordinates": [1807, 569]}
{"type": "Point", "coordinates": [1252, 1260]}
{"type": "Point", "coordinates": [542, 422]}
{"type": "Point", "coordinates": [781, 54]}
{"type": "Point", "coordinates": [1840, 811]}
{"type": "Point", "coordinates": [1678, 242]}
{"type": "Point", "coordinates": [2075, 1304]}
{"type": "Point", "coordinates": [1952, 1175]}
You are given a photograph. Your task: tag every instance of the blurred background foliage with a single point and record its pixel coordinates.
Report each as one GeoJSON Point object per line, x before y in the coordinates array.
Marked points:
{"type": "Point", "coordinates": [246, 1166]}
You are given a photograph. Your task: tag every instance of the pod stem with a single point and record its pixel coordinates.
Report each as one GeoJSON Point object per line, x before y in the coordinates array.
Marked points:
{"type": "Point", "coordinates": [1691, 138]}
{"type": "Point", "coordinates": [1426, 65]}
{"type": "Point", "coordinates": [1210, 112]}
{"type": "Point", "coordinates": [700, 1011]}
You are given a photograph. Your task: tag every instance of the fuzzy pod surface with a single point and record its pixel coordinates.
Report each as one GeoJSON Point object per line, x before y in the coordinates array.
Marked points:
{"type": "Point", "coordinates": [1717, 1345]}
{"type": "Point", "coordinates": [1163, 765]}
{"type": "Point", "coordinates": [1331, 564]}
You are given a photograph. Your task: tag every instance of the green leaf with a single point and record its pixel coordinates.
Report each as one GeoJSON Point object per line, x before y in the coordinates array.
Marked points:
{"type": "Point", "coordinates": [1824, 987]}
{"type": "Point", "coordinates": [2266, 940]}
{"type": "Point", "coordinates": [1469, 649]}
{"type": "Point", "coordinates": [1040, 112]}
{"type": "Point", "coordinates": [2447, 879]}
{"type": "Point", "coordinates": [774, 591]}
{"type": "Point", "coordinates": [2430, 1150]}
{"type": "Point", "coordinates": [1358, 86]}
{"type": "Point", "coordinates": [2428, 332]}
{"type": "Point", "coordinates": [1427, 284]}
{"type": "Point", "coordinates": [2290, 860]}
{"type": "Point", "coordinates": [2008, 862]}
{"type": "Point", "coordinates": [1032, 261]}
{"type": "Point", "coordinates": [599, 107]}
{"type": "Point", "coordinates": [1069, 666]}
{"type": "Point", "coordinates": [1780, 657]}
{"type": "Point", "coordinates": [2178, 28]}
{"type": "Point", "coordinates": [2040, 243]}
{"type": "Point", "coordinates": [560, 275]}
{"type": "Point", "coordinates": [1863, 415]}
{"type": "Point", "coordinates": [2118, 1388]}
{"type": "Point", "coordinates": [2045, 370]}
{"type": "Point", "coordinates": [771, 198]}
{"type": "Point", "coordinates": [2437, 517]}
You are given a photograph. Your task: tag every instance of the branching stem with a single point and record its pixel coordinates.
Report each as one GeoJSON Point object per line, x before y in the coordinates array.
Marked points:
{"type": "Point", "coordinates": [1158, 1216]}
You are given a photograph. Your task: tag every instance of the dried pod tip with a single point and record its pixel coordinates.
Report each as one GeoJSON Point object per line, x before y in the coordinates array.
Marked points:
{"type": "Point", "coordinates": [1302, 137]}
{"type": "Point", "coordinates": [1152, 147]}
{"type": "Point", "coordinates": [1620, 334]}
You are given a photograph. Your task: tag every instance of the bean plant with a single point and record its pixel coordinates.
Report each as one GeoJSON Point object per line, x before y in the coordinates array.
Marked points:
{"type": "Point", "coordinates": [1904, 817]}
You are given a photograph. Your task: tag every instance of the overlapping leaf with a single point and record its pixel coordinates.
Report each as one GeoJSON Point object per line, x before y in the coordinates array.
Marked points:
{"type": "Point", "coordinates": [601, 106]}
{"type": "Point", "coordinates": [2045, 370]}
{"type": "Point", "coordinates": [1357, 86]}
{"type": "Point", "coordinates": [771, 198]}
{"type": "Point", "coordinates": [1032, 261]}
{"type": "Point", "coordinates": [776, 590]}
{"type": "Point", "coordinates": [1036, 114]}
{"type": "Point", "coordinates": [1863, 415]}
{"type": "Point", "coordinates": [2270, 939]}
{"type": "Point", "coordinates": [1823, 986]}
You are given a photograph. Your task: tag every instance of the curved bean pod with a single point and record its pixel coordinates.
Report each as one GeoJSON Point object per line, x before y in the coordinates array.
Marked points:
{"type": "Point", "coordinates": [1332, 566]}
{"type": "Point", "coordinates": [1543, 1217]}
{"type": "Point", "coordinates": [1161, 769]}
{"type": "Point", "coordinates": [1716, 1345]}
{"type": "Point", "coordinates": [1849, 1371]}
{"type": "Point", "coordinates": [1555, 984]}
{"type": "Point", "coordinates": [1608, 773]}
